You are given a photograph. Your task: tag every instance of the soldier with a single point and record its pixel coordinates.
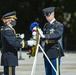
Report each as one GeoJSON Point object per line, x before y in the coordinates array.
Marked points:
{"type": "Point", "coordinates": [52, 33]}
{"type": "Point", "coordinates": [11, 42]}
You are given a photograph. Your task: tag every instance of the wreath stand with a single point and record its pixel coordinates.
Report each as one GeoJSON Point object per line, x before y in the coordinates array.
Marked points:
{"type": "Point", "coordinates": [35, 59]}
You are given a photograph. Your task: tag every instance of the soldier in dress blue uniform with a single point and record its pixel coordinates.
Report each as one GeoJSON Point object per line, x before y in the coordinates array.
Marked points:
{"type": "Point", "coordinates": [11, 42]}
{"type": "Point", "coordinates": [52, 33]}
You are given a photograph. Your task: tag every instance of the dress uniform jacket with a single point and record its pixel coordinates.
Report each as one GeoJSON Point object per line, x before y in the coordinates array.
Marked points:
{"type": "Point", "coordinates": [10, 45]}
{"type": "Point", "coordinates": [53, 33]}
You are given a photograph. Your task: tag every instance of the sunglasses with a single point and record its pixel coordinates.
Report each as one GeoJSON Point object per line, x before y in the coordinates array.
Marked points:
{"type": "Point", "coordinates": [47, 13]}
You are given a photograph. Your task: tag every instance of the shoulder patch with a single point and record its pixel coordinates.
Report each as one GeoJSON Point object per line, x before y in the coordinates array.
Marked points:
{"type": "Point", "coordinates": [7, 28]}
{"type": "Point", "coordinates": [60, 24]}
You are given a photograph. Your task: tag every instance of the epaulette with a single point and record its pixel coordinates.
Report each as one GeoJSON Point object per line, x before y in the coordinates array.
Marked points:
{"type": "Point", "coordinates": [58, 24]}
{"type": "Point", "coordinates": [46, 23]}
{"type": "Point", "coordinates": [2, 27]}
{"type": "Point", "coordinates": [7, 28]}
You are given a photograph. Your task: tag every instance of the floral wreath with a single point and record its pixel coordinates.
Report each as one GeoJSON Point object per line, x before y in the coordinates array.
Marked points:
{"type": "Point", "coordinates": [34, 28]}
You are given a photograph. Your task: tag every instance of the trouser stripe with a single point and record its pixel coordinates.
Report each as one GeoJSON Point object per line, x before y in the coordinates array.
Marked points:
{"type": "Point", "coordinates": [57, 66]}
{"type": "Point", "coordinates": [10, 70]}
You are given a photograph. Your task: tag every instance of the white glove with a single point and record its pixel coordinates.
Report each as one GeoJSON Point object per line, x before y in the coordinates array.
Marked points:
{"type": "Point", "coordinates": [31, 42]}
{"type": "Point", "coordinates": [22, 36]}
{"type": "Point", "coordinates": [41, 33]}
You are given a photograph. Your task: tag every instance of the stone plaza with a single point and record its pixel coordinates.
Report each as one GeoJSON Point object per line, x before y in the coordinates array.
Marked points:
{"type": "Point", "coordinates": [68, 64]}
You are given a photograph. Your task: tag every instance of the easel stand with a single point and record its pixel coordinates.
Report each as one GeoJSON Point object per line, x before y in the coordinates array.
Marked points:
{"type": "Point", "coordinates": [35, 59]}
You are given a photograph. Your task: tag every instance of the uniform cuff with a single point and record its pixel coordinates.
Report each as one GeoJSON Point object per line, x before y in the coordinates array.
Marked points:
{"type": "Point", "coordinates": [23, 44]}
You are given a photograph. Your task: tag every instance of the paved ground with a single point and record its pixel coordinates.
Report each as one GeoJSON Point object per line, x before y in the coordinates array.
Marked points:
{"type": "Point", "coordinates": [68, 65]}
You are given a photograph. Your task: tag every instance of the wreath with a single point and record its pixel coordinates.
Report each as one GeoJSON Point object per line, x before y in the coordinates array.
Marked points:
{"type": "Point", "coordinates": [34, 28]}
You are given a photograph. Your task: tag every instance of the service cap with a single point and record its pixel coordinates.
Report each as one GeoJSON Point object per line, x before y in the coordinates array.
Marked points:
{"type": "Point", "coordinates": [9, 15]}
{"type": "Point", "coordinates": [48, 9]}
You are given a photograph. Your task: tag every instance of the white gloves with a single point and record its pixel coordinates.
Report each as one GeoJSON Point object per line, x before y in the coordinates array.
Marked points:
{"type": "Point", "coordinates": [41, 33]}
{"type": "Point", "coordinates": [31, 42]}
{"type": "Point", "coordinates": [22, 36]}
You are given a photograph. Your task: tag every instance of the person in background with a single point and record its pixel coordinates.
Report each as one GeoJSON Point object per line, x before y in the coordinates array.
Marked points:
{"type": "Point", "coordinates": [11, 42]}
{"type": "Point", "coordinates": [52, 33]}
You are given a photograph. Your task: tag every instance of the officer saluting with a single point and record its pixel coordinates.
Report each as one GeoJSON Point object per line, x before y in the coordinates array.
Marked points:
{"type": "Point", "coordinates": [52, 33]}
{"type": "Point", "coordinates": [10, 43]}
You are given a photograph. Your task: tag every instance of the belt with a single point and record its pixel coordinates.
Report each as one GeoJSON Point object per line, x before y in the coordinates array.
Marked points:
{"type": "Point", "coordinates": [49, 41]}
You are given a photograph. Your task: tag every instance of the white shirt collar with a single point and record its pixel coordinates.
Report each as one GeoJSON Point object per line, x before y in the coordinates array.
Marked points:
{"type": "Point", "coordinates": [52, 21]}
